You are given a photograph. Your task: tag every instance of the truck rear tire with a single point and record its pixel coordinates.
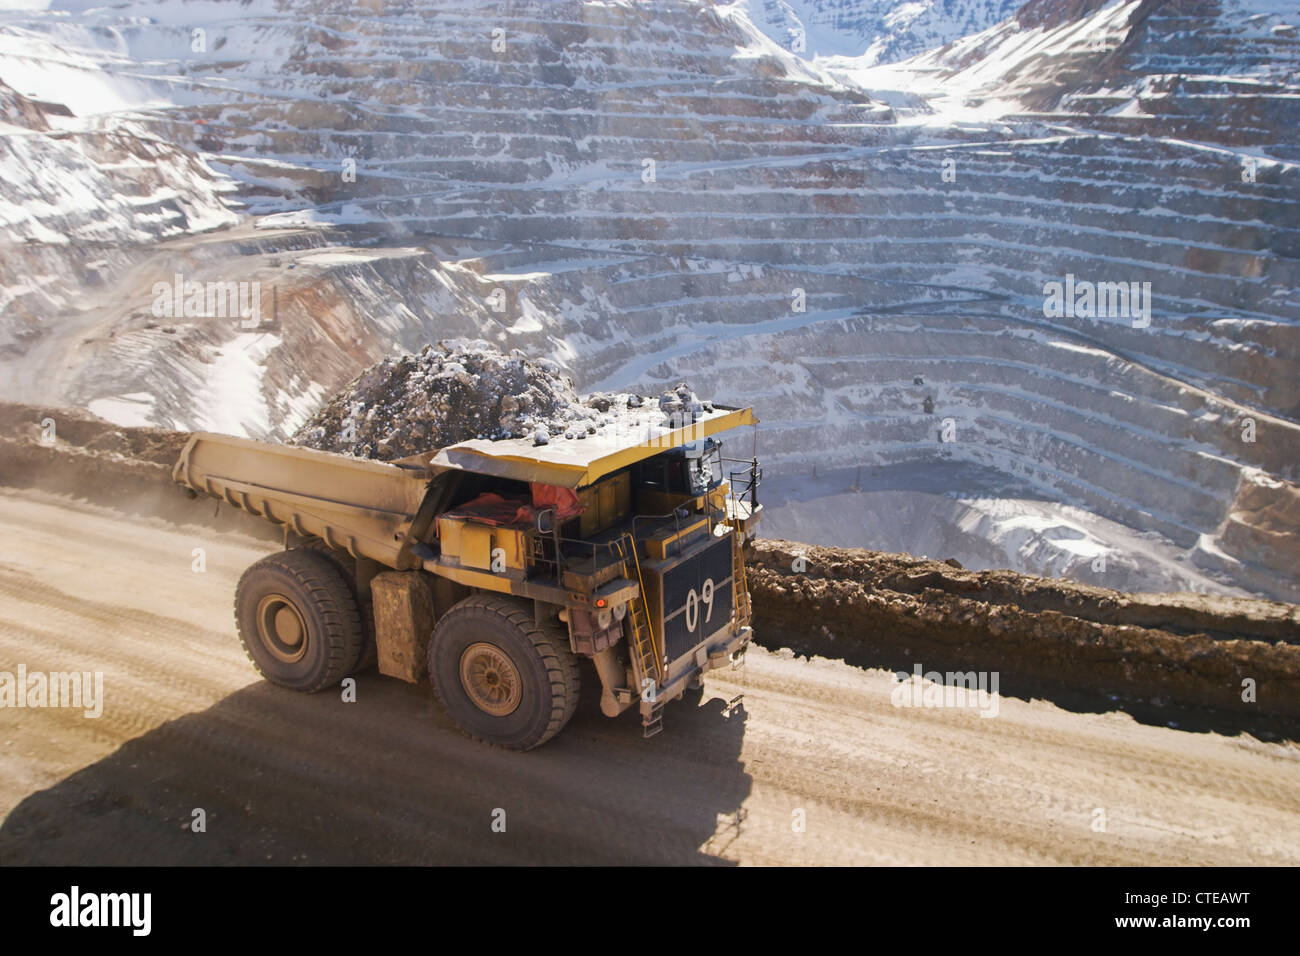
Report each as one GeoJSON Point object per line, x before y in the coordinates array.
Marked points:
{"type": "Point", "coordinates": [298, 620]}
{"type": "Point", "coordinates": [503, 679]}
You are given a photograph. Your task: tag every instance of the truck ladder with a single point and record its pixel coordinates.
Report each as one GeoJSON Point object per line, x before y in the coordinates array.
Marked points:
{"type": "Point", "coordinates": [738, 580]}
{"type": "Point", "coordinates": [644, 648]}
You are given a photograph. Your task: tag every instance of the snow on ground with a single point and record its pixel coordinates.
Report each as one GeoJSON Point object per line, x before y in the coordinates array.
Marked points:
{"type": "Point", "coordinates": [135, 409]}
{"type": "Point", "coordinates": [336, 259]}
{"type": "Point", "coordinates": [230, 399]}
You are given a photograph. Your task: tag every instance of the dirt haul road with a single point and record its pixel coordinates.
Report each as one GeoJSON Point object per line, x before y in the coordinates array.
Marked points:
{"type": "Point", "coordinates": [187, 725]}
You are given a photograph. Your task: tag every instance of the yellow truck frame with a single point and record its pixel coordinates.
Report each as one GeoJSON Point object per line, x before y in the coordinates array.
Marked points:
{"type": "Point", "coordinates": [459, 566]}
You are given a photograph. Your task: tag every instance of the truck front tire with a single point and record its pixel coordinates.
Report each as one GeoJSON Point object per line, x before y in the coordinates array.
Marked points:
{"type": "Point", "coordinates": [298, 620]}
{"type": "Point", "coordinates": [502, 678]}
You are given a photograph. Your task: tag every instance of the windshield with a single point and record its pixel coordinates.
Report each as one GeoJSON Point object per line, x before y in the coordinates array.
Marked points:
{"type": "Point", "coordinates": [703, 465]}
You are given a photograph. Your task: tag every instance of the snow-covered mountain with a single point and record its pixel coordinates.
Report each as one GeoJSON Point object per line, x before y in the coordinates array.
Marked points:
{"type": "Point", "coordinates": [878, 31]}
{"type": "Point", "coordinates": [1220, 71]}
{"type": "Point", "coordinates": [650, 192]}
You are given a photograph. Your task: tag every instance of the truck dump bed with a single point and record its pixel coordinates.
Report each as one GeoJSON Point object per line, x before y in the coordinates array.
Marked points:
{"type": "Point", "coordinates": [366, 508]}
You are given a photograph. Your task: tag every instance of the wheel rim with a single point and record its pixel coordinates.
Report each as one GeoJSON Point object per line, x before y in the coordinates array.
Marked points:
{"type": "Point", "coordinates": [281, 628]}
{"type": "Point", "coordinates": [490, 679]}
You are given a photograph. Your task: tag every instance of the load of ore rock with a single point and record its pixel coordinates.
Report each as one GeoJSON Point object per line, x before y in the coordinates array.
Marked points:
{"type": "Point", "coordinates": [462, 389]}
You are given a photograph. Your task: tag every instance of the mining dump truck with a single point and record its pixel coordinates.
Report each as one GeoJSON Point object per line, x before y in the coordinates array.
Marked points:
{"type": "Point", "coordinates": [492, 567]}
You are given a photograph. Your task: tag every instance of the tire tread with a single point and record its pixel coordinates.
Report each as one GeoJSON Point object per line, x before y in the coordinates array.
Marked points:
{"type": "Point", "coordinates": [323, 581]}
{"type": "Point", "coordinates": [552, 647]}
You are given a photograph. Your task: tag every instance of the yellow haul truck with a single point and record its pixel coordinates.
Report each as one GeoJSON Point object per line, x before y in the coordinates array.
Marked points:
{"type": "Point", "coordinates": [492, 566]}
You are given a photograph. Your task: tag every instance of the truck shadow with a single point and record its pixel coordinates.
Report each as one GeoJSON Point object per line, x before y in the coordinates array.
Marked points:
{"type": "Point", "coordinates": [276, 777]}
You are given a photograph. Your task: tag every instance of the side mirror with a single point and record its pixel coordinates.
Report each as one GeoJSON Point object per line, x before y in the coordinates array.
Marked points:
{"type": "Point", "coordinates": [546, 521]}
